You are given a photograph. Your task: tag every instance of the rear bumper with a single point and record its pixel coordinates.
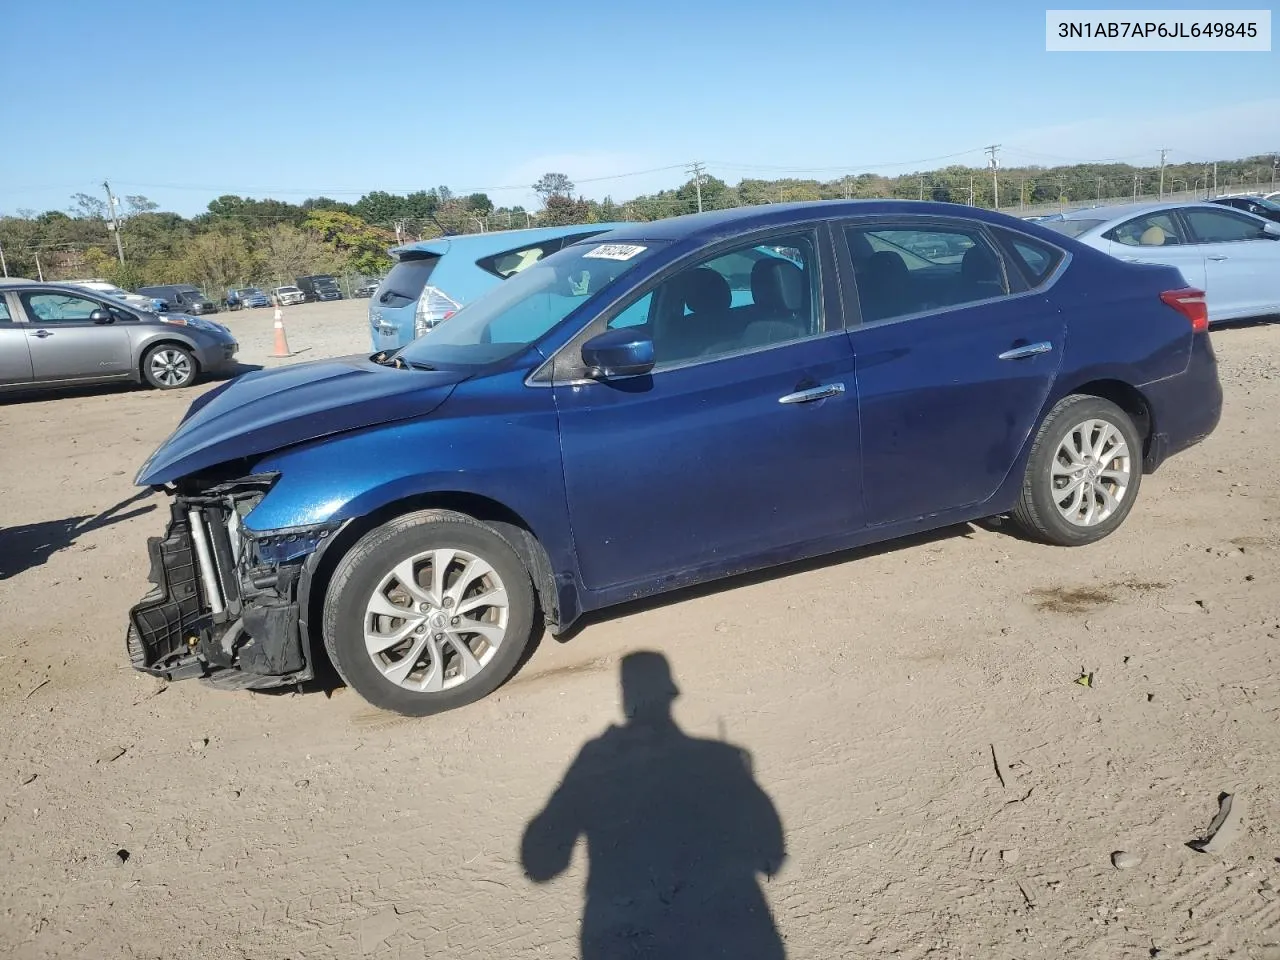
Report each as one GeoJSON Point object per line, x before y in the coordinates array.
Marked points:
{"type": "Point", "coordinates": [212, 613]}
{"type": "Point", "coordinates": [1185, 409]}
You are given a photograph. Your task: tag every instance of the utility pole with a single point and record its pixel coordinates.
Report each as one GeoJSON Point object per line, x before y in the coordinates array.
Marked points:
{"type": "Point", "coordinates": [1275, 164]}
{"type": "Point", "coordinates": [39, 269]}
{"type": "Point", "coordinates": [1215, 176]}
{"type": "Point", "coordinates": [1135, 188]}
{"type": "Point", "coordinates": [995, 180]}
{"type": "Point", "coordinates": [1163, 151]}
{"type": "Point", "coordinates": [1022, 192]}
{"type": "Point", "coordinates": [846, 186]}
{"type": "Point", "coordinates": [922, 187]}
{"type": "Point", "coordinates": [115, 221]}
{"type": "Point", "coordinates": [696, 169]}
{"type": "Point", "coordinates": [3, 265]}
{"type": "Point", "coordinates": [1099, 189]}
{"type": "Point", "coordinates": [971, 189]}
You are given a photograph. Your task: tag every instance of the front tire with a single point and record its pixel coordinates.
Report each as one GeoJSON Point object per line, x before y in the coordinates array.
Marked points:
{"type": "Point", "coordinates": [169, 366]}
{"type": "Point", "coordinates": [429, 612]}
{"type": "Point", "coordinates": [1083, 474]}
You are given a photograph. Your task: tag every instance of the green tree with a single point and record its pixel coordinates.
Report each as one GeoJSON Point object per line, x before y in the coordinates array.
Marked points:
{"type": "Point", "coordinates": [563, 211]}
{"type": "Point", "coordinates": [289, 252]}
{"type": "Point", "coordinates": [553, 185]}
{"type": "Point", "coordinates": [479, 203]}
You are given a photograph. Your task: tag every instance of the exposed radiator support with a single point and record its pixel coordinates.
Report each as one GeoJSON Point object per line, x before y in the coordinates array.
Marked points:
{"type": "Point", "coordinates": [204, 559]}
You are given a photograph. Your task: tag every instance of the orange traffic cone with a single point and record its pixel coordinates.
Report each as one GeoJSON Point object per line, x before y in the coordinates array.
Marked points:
{"type": "Point", "coordinates": [282, 342]}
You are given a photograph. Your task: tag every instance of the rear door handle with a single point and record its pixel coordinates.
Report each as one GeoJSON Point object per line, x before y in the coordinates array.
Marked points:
{"type": "Point", "coordinates": [42, 334]}
{"type": "Point", "coordinates": [1030, 350]}
{"type": "Point", "coordinates": [813, 393]}
{"type": "Point", "coordinates": [1219, 258]}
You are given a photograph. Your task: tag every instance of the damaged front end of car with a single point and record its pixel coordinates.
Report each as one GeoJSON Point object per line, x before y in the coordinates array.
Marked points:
{"type": "Point", "coordinates": [226, 602]}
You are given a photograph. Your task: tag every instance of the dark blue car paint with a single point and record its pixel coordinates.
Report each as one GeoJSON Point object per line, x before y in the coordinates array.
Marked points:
{"type": "Point", "coordinates": [642, 485]}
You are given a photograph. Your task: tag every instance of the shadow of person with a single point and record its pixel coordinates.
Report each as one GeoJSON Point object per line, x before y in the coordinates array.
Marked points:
{"type": "Point", "coordinates": [677, 832]}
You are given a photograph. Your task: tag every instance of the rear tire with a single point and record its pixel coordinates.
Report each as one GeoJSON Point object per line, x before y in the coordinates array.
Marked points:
{"type": "Point", "coordinates": [1083, 474]}
{"type": "Point", "coordinates": [169, 366]}
{"type": "Point", "coordinates": [429, 612]}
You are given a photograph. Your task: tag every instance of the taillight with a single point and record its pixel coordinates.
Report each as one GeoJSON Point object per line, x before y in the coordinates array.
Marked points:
{"type": "Point", "coordinates": [1191, 304]}
{"type": "Point", "coordinates": [434, 305]}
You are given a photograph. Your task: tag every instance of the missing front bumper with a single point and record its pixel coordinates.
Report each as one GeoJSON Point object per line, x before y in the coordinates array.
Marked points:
{"type": "Point", "coordinates": [210, 613]}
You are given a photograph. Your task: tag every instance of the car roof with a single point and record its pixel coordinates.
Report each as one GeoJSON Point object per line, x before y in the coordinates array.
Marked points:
{"type": "Point", "coordinates": [716, 224]}
{"type": "Point", "coordinates": [480, 244]}
{"type": "Point", "coordinates": [1123, 211]}
{"type": "Point", "coordinates": [71, 285]}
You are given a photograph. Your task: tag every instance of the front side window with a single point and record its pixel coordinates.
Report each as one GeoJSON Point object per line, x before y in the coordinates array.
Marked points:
{"type": "Point", "coordinates": [58, 307]}
{"type": "Point", "coordinates": [1152, 230]}
{"type": "Point", "coordinates": [755, 296]}
{"type": "Point", "coordinates": [1221, 226]}
{"type": "Point", "coordinates": [513, 315]}
{"type": "Point", "coordinates": [4, 311]}
{"type": "Point", "coordinates": [901, 270]}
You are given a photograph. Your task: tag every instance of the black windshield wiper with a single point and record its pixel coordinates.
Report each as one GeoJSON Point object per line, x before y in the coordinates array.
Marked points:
{"type": "Point", "coordinates": [417, 366]}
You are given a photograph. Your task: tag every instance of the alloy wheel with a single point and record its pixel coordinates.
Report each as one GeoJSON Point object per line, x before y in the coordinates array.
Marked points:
{"type": "Point", "coordinates": [436, 620]}
{"type": "Point", "coordinates": [1091, 473]}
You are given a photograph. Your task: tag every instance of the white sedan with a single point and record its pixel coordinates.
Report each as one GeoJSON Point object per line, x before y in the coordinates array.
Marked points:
{"type": "Point", "coordinates": [1233, 256]}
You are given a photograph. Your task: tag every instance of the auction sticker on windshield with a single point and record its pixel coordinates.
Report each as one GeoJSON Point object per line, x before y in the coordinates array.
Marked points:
{"type": "Point", "coordinates": [614, 251]}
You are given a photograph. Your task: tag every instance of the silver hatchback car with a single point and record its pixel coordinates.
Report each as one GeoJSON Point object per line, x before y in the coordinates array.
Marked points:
{"type": "Point", "coordinates": [56, 333]}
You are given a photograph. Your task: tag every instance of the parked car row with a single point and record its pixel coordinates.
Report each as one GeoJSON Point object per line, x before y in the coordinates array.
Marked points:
{"type": "Point", "coordinates": [648, 408]}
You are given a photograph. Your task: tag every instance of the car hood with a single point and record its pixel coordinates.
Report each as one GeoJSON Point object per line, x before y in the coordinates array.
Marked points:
{"type": "Point", "coordinates": [271, 409]}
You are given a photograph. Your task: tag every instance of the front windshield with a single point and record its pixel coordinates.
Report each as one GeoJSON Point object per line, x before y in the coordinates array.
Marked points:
{"type": "Point", "coordinates": [1268, 204]}
{"type": "Point", "coordinates": [523, 309]}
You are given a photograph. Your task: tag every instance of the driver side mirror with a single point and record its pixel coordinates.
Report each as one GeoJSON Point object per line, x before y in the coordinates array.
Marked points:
{"type": "Point", "coordinates": [102, 316]}
{"type": "Point", "coordinates": [1271, 230]}
{"type": "Point", "coordinates": [625, 352]}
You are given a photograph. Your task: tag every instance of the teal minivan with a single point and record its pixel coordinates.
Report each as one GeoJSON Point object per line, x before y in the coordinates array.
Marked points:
{"type": "Point", "coordinates": [432, 279]}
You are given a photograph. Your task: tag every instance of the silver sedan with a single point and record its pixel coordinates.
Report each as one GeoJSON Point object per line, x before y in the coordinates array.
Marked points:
{"type": "Point", "coordinates": [53, 334]}
{"type": "Point", "coordinates": [1234, 257]}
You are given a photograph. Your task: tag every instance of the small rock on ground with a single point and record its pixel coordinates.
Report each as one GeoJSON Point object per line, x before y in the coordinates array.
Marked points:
{"type": "Point", "coordinates": [1124, 860]}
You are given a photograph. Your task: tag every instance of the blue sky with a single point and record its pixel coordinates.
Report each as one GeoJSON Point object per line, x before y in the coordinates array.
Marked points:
{"type": "Point", "coordinates": [185, 101]}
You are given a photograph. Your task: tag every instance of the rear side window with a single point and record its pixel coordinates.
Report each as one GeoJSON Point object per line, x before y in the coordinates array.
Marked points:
{"type": "Point", "coordinates": [1035, 259]}
{"type": "Point", "coordinates": [905, 270]}
{"type": "Point", "coordinates": [1152, 230]}
{"type": "Point", "coordinates": [510, 262]}
{"type": "Point", "coordinates": [404, 284]}
{"type": "Point", "coordinates": [1221, 226]}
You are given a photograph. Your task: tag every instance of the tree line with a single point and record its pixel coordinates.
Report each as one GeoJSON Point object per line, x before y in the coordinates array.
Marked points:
{"type": "Point", "coordinates": [239, 241]}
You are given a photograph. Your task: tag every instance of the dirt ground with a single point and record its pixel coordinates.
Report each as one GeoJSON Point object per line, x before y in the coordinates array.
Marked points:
{"type": "Point", "coordinates": [944, 786]}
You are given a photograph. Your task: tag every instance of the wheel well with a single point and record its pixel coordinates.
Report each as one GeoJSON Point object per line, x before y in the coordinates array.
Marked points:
{"type": "Point", "coordinates": [510, 525]}
{"type": "Point", "coordinates": [142, 359]}
{"type": "Point", "coordinates": [1129, 399]}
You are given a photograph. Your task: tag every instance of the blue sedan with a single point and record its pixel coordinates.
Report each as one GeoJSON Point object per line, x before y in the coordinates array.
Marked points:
{"type": "Point", "coordinates": [1233, 256]}
{"type": "Point", "coordinates": [662, 405]}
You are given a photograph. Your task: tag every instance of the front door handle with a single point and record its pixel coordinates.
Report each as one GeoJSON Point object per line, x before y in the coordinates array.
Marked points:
{"type": "Point", "coordinates": [42, 334]}
{"type": "Point", "coordinates": [813, 393]}
{"type": "Point", "coordinates": [1219, 258]}
{"type": "Point", "coordinates": [1030, 350]}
